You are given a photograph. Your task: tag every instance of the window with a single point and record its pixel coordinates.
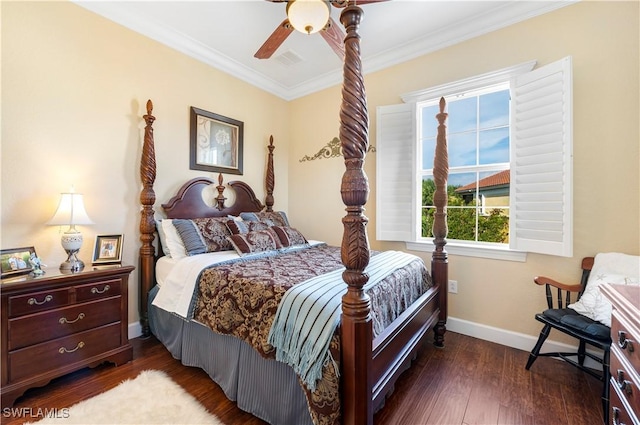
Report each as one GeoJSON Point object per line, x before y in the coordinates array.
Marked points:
{"type": "Point", "coordinates": [510, 157]}
{"type": "Point", "coordinates": [478, 184]}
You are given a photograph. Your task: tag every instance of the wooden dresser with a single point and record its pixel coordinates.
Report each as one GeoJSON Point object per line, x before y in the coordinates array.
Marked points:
{"type": "Point", "coordinates": [625, 353]}
{"type": "Point", "coordinates": [58, 323]}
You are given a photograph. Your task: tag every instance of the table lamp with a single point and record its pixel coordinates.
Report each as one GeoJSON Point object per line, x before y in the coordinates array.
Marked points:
{"type": "Point", "coordinates": [71, 212]}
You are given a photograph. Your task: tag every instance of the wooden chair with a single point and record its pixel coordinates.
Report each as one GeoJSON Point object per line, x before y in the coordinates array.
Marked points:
{"type": "Point", "coordinates": [568, 321]}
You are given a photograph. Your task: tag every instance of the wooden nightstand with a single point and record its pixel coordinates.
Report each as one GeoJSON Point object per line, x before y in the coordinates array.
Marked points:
{"type": "Point", "coordinates": [58, 323]}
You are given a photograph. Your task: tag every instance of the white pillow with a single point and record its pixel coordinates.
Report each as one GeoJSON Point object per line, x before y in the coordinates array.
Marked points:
{"type": "Point", "coordinates": [610, 267]}
{"type": "Point", "coordinates": [172, 244]}
{"type": "Point", "coordinates": [163, 239]}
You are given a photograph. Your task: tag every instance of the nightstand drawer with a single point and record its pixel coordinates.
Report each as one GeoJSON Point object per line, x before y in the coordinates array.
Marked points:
{"type": "Point", "coordinates": [619, 413]}
{"type": "Point", "coordinates": [625, 378]}
{"type": "Point", "coordinates": [44, 326]}
{"type": "Point", "coordinates": [37, 301]}
{"type": "Point", "coordinates": [102, 289]}
{"type": "Point", "coordinates": [61, 352]}
{"type": "Point", "coordinates": [627, 338]}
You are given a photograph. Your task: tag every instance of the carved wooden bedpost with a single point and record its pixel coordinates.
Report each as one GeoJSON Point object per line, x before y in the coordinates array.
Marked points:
{"type": "Point", "coordinates": [270, 178]}
{"type": "Point", "coordinates": [147, 222]}
{"type": "Point", "coordinates": [356, 329]}
{"type": "Point", "coordinates": [439, 266]}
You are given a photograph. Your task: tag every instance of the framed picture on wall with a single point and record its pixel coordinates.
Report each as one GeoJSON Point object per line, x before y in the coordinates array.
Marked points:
{"type": "Point", "coordinates": [16, 261]}
{"type": "Point", "coordinates": [215, 143]}
{"type": "Point", "coordinates": [108, 249]}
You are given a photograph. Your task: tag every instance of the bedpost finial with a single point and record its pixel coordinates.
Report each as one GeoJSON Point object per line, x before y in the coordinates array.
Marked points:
{"type": "Point", "coordinates": [220, 198]}
{"type": "Point", "coordinates": [270, 178]}
{"type": "Point", "coordinates": [442, 115]}
{"type": "Point", "coordinates": [149, 107]}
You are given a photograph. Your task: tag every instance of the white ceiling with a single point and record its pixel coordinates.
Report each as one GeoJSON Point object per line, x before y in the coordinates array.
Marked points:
{"type": "Point", "coordinates": [225, 34]}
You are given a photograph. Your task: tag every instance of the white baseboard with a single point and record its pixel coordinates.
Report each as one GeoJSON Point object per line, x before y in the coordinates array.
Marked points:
{"type": "Point", "coordinates": [134, 330]}
{"type": "Point", "coordinates": [511, 339]}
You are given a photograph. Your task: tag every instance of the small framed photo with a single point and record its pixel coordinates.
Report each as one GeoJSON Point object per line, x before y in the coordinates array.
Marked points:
{"type": "Point", "coordinates": [108, 249]}
{"type": "Point", "coordinates": [16, 261]}
{"type": "Point", "coordinates": [215, 143]}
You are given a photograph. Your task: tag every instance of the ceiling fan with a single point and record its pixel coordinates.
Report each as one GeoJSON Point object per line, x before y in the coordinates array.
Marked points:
{"type": "Point", "coordinates": [309, 17]}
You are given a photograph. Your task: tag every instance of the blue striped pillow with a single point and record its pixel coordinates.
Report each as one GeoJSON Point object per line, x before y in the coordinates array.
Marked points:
{"type": "Point", "coordinates": [191, 237]}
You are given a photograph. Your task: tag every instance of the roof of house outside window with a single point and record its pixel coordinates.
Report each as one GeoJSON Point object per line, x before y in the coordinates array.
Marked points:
{"type": "Point", "coordinates": [499, 179]}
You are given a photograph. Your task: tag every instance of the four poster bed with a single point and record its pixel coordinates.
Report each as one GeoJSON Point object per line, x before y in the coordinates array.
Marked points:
{"type": "Point", "coordinates": [226, 329]}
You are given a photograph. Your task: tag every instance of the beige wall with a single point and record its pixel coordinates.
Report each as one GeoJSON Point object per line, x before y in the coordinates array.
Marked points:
{"type": "Point", "coordinates": [603, 39]}
{"type": "Point", "coordinates": [73, 92]}
{"type": "Point", "coordinates": [74, 88]}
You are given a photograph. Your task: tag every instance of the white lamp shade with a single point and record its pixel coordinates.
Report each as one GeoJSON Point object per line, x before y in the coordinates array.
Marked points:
{"type": "Point", "coordinates": [308, 16]}
{"type": "Point", "coordinates": [70, 211]}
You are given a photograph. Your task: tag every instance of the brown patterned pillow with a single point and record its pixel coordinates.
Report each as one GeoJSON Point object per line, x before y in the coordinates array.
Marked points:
{"type": "Point", "coordinates": [258, 241]}
{"type": "Point", "coordinates": [214, 231]}
{"type": "Point", "coordinates": [272, 218]}
{"type": "Point", "coordinates": [241, 227]}
{"type": "Point", "coordinates": [289, 236]}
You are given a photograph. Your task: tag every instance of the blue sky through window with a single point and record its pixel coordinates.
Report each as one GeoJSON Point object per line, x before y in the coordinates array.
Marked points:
{"type": "Point", "coordinates": [477, 129]}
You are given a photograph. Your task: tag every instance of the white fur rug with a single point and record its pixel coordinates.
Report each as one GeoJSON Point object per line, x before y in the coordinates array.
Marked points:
{"type": "Point", "coordinates": [151, 398]}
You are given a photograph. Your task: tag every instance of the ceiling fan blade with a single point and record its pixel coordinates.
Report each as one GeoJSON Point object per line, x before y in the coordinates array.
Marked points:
{"type": "Point", "coordinates": [335, 37]}
{"type": "Point", "coordinates": [275, 40]}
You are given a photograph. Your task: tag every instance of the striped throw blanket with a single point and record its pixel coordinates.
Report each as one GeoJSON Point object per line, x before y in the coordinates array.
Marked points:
{"type": "Point", "coordinates": [309, 314]}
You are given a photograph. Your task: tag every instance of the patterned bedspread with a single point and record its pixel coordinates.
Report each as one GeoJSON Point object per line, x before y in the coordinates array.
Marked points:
{"type": "Point", "coordinates": [241, 299]}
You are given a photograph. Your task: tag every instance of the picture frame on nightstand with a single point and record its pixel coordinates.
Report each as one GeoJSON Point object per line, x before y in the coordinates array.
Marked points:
{"type": "Point", "coordinates": [15, 261]}
{"type": "Point", "coordinates": [108, 249]}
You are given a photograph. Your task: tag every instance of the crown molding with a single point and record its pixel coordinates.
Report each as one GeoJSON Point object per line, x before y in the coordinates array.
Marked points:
{"type": "Point", "coordinates": [511, 13]}
{"type": "Point", "coordinates": [168, 36]}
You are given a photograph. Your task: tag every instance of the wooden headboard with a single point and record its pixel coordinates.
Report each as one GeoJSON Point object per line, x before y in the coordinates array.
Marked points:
{"type": "Point", "coordinates": [189, 201]}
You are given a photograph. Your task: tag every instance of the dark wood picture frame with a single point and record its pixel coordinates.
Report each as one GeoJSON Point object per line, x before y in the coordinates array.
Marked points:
{"type": "Point", "coordinates": [216, 142]}
{"type": "Point", "coordinates": [108, 249]}
{"type": "Point", "coordinates": [15, 261]}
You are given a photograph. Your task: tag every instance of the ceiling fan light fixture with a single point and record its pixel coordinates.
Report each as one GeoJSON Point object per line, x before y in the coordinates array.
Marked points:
{"type": "Point", "coordinates": [308, 16]}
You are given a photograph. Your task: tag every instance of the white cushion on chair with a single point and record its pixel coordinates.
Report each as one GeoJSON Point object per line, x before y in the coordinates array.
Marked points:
{"type": "Point", "coordinates": [610, 267]}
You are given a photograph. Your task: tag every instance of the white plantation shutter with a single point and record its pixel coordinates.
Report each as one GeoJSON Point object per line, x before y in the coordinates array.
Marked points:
{"type": "Point", "coordinates": [395, 172]}
{"type": "Point", "coordinates": [541, 161]}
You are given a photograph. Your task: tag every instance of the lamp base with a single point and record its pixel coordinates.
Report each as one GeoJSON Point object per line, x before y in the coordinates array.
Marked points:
{"type": "Point", "coordinates": [73, 264]}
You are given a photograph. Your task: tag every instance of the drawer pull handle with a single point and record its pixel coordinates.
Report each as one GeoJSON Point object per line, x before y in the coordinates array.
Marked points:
{"type": "Point", "coordinates": [32, 301]}
{"type": "Point", "coordinates": [63, 350]}
{"type": "Point", "coordinates": [616, 416]}
{"type": "Point", "coordinates": [623, 342]}
{"type": "Point", "coordinates": [97, 291]}
{"type": "Point", "coordinates": [64, 320]}
{"type": "Point", "coordinates": [623, 384]}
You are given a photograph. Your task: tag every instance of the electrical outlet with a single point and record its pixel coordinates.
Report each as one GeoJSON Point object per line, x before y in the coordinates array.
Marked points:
{"type": "Point", "coordinates": [453, 286]}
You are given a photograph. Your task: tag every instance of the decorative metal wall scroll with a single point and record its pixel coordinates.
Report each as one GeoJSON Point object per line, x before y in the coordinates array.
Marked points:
{"type": "Point", "coordinates": [332, 149]}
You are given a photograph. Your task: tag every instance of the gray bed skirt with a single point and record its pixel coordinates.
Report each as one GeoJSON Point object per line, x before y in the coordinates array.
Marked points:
{"type": "Point", "coordinates": [265, 388]}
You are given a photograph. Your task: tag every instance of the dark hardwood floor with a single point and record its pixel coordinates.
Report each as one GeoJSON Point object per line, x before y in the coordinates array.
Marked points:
{"type": "Point", "coordinates": [468, 382]}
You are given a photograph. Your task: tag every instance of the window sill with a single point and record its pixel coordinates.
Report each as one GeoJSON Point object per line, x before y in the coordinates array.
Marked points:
{"type": "Point", "coordinates": [491, 252]}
